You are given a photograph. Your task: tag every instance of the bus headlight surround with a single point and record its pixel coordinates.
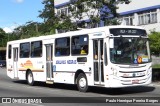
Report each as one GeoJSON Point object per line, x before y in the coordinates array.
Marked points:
{"type": "Point", "coordinates": [114, 71]}
{"type": "Point", "coordinates": [149, 70]}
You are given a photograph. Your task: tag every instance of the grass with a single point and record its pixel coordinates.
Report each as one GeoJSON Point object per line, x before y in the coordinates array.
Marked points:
{"type": "Point", "coordinates": [156, 66]}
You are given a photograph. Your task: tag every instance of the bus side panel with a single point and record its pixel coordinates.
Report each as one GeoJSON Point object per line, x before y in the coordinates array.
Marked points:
{"type": "Point", "coordinates": [22, 75]}
{"type": "Point", "coordinates": [64, 69]}
{"type": "Point", "coordinates": [39, 76]}
{"type": "Point", "coordinates": [63, 72]}
{"type": "Point", "coordinates": [33, 64]}
{"type": "Point", "coordinates": [64, 77]}
{"type": "Point", "coordinates": [38, 69]}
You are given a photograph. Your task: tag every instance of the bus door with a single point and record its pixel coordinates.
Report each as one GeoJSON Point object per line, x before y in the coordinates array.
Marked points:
{"type": "Point", "coordinates": [49, 61]}
{"type": "Point", "coordinates": [15, 62]}
{"type": "Point", "coordinates": [98, 61]}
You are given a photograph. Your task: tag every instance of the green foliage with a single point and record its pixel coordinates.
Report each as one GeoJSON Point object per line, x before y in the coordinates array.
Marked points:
{"type": "Point", "coordinates": [154, 38]}
{"type": "Point", "coordinates": [30, 29]}
{"type": "Point", "coordinates": [5, 37]}
{"type": "Point", "coordinates": [156, 66]}
{"type": "Point", "coordinates": [2, 38]}
{"type": "Point", "coordinates": [66, 25]}
{"type": "Point", "coordinates": [48, 14]}
{"type": "Point", "coordinates": [2, 33]}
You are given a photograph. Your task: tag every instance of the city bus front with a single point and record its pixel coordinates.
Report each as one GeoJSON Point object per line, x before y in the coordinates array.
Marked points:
{"type": "Point", "coordinates": [129, 58]}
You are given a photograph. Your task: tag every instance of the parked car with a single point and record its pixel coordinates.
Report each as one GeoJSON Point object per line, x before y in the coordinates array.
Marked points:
{"type": "Point", "coordinates": [2, 63]}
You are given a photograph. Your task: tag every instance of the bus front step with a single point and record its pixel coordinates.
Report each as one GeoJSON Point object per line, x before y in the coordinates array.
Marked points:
{"type": "Point", "coordinates": [49, 82]}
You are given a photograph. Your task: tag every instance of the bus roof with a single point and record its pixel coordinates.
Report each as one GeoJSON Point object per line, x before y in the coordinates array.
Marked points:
{"type": "Point", "coordinates": [78, 32]}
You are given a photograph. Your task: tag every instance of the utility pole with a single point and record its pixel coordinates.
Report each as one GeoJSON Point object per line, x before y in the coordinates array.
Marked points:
{"type": "Point", "coordinates": [36, 28]}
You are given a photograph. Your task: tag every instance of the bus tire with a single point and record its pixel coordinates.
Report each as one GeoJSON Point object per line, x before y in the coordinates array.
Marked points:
{"type": "Point", "coordinates": [30, 78]}
{"type": "Point", "coordinates": [82, 83]}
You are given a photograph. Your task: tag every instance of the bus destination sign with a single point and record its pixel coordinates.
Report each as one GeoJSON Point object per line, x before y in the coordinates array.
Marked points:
{"type": "Point", "coordinates": [127, 31]}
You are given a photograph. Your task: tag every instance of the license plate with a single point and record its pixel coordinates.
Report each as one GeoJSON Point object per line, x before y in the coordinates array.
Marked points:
{"type": "Point", "coordinates": [138, 74]}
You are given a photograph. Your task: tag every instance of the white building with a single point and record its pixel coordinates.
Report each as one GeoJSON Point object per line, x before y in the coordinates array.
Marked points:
{"type": "Point", "coordinates": [145, 13]}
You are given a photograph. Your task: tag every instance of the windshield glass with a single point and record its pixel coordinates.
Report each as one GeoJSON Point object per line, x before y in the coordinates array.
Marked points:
{"type": "Point", "coordinates": [129, 50]}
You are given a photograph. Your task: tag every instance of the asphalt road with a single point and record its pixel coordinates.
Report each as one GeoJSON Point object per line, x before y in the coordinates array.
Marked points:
{"type": "Point", "coordinates": [60, 94]}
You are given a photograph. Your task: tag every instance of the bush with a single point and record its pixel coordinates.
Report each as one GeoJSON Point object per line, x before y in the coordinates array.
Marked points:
{"type": "Point", "coordinates": [154, 39]}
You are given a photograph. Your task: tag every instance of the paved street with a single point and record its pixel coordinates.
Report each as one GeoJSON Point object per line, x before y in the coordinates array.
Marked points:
{"type": "Point", "coordinates": [11, 88]}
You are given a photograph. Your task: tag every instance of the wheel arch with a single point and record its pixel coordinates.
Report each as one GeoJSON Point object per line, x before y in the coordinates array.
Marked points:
{"type": "Point", "coordinates": [76, 75]}
{"type": "Point", "coordinates": [27, 71]}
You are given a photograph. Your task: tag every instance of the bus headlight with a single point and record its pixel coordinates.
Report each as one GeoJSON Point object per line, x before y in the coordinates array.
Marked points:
{"type": "Point", "coordinates": [114, 71]}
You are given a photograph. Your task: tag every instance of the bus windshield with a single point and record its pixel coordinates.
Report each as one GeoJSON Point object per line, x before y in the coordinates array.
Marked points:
{"type": "Point", "coordinates": [130, 50]}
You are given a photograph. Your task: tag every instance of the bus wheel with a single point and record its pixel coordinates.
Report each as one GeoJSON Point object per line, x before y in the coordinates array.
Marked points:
{"type": "Point", "coordinates": [82, 83]}
{"type": "Point", "coordinates": [30, 78]}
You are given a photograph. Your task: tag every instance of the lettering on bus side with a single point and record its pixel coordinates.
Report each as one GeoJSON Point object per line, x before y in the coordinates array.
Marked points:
{"type": "Point", "coordinates": [66, 61]}
{"type": "Point", "coordinates": [60, 61]}
{"type": "Point", "coordinates": [71, 61]}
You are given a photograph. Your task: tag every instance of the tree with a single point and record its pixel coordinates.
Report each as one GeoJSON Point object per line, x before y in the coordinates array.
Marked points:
{"type": "Point", "coordinates": [48, 14]}
{"type": "Point", "coordinates": [154, 39]}
{"type": "Point", "coordinates": [93, 10]}
{"type": "Point", "coordinates": [2, 37]}
{"type": "Point", "coordinates": [29, 29]}
{"type": "Point", "coordinates": [65, 24]}
{"type": "Point", "coordinates": [2, 33]}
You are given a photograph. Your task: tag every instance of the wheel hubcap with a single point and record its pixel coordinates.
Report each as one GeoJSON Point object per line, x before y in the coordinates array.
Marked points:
{"type": "Point", "coordinates": [30, 78]}
{"type": "Point", "coordinates": [82, 82]}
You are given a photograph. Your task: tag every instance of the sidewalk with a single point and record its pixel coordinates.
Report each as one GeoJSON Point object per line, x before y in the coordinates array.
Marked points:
{"type": "Point", "coordinates": [155, 83]}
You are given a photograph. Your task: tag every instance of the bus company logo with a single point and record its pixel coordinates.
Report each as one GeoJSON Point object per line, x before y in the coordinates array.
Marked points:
{"type": "Point", "coordinates": [134, 74]}
{"type": "Point", "coordinates": [27, 64]}
{"type": "Point", "coordinates": [6, 100]}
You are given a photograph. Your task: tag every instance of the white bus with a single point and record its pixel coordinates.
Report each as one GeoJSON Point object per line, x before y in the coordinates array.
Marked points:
{"type": "Point", "coordinates": [111, 57]}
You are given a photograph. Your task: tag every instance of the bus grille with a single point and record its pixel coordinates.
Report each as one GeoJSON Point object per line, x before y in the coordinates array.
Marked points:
{"type": "Point", "coordinates": [132, 74]}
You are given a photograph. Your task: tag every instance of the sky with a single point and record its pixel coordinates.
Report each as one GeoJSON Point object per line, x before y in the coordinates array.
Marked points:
{"type": "Point", "coordinates": [14, 13]}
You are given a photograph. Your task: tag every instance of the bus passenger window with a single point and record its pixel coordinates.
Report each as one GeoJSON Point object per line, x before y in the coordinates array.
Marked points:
{"type": "Point", "coordinates": [84, 50]}
{"type": "Point", "coordinates": [36, 49]}
{"type": "Point", "coordinates": [24, 50]}
{"type": "Point", "coordinates": [58, 53]}
{"type": "Point", "coordinates": [9, 51]}
{"type": "Point", "coordinates": [62, 46]}
{"type": "Point", "coordinates": [80, 45]}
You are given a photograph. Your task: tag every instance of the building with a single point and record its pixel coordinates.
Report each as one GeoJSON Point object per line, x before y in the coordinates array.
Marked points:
{"type": "Point", "coordinates": [62, 8]}
{"type": "Point", "coordinates": [145, 13]}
